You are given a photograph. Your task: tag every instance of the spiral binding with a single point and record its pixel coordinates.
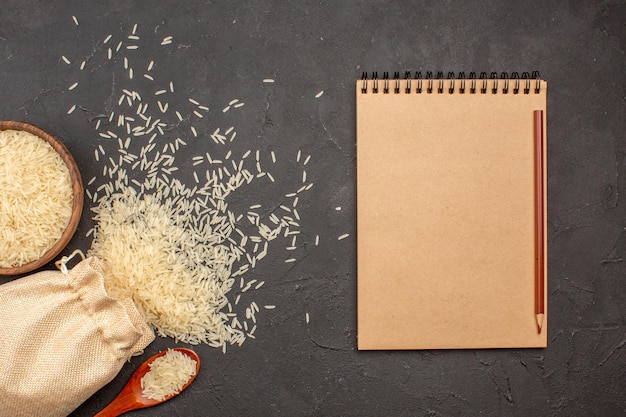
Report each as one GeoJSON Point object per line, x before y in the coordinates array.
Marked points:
{"type": "Point", "coordinates": [500, 83]}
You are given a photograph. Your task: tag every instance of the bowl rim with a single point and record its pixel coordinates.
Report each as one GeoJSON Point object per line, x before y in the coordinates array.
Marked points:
{"type": "Point", "coordinates": [77, 193]}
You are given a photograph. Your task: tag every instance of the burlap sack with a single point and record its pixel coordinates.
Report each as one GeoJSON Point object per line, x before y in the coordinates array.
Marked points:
{"type": "Point", "coordinates": [62, 338]}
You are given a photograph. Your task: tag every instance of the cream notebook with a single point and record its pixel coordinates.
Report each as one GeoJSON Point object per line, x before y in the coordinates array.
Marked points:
{"type": "Point", "coordinates": [447, 213]}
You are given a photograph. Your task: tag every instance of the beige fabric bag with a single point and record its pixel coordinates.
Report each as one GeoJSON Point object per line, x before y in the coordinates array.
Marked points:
{"type": "Point", "coordinates": [62, 338]}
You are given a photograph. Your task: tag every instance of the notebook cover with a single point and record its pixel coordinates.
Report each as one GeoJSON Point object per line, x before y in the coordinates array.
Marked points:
{"type": "Point", "coordinates": [445, 218]}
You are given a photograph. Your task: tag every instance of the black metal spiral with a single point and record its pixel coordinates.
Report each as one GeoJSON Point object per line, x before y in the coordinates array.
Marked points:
{"type": "Point", "coordinates": [500, 83]}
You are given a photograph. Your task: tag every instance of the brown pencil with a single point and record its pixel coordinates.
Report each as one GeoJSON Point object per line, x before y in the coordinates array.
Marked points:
{"type": "Point", "coordinates": [539, 207]}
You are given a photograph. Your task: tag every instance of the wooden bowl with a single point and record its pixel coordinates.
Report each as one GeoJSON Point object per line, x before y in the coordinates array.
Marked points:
{"type": "Point", "coordinates": [77, 191]}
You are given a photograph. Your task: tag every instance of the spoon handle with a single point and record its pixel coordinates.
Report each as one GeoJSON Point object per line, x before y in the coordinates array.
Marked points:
{"type": "Point", "coordinates": [125, 401]}
{"type": "Point", "coordinates": [115, 409]}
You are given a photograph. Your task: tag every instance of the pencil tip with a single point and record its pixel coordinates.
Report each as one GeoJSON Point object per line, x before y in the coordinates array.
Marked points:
{"type": "Point", "coordinates": [539, 318]}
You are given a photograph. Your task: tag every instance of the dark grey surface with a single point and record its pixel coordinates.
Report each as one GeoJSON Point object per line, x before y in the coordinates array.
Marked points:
{"type": "Point", "coordinates": [222, 50]}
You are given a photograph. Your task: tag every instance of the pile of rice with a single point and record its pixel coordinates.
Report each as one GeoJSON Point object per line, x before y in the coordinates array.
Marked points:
{"type": "Point", "coordinates": [177, 275]}
{"type": "Point", "coordinates": [181, 237]}
{"type": "Point", "coordinates": [35, 197]}
{"type": "Point", "coordinates": [167, 375]}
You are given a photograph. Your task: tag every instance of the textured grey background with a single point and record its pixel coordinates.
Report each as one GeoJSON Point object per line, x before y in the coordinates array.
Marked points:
{"type": "Point", "coordinates": [223, 50]}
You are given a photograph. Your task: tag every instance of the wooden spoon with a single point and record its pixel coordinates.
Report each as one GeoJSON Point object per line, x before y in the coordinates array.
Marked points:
{"type": "Point", "coordinates": [131, 397]}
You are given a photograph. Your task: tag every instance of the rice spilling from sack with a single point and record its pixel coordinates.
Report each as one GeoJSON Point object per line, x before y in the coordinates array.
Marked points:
{"type": "Point", "coordinates": [167, 375]}
{"type": "Point", "coordinates": [35, 197]}
{"type": "Point", "coordinates": [178, 274]}
{"type": "Point", "coordinates": [177, 230]}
